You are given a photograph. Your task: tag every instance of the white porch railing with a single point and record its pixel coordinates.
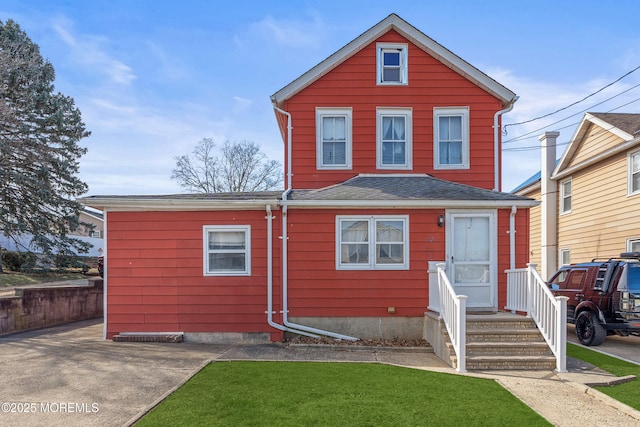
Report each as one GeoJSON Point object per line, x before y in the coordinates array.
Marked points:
{"type": "Point", "coordinates": [453, 310]}
{"type": "Point", "coordinates": [527, 292]}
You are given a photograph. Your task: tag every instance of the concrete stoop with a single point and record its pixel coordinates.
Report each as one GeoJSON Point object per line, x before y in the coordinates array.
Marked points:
{"type": "Point", "coordinates": [166, 337]}
{"type": "Point", "coordinates": [500, 341]}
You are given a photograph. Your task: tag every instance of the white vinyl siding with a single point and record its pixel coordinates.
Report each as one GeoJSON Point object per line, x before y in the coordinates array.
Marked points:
{"type": "Point", "coordinates": [227, 250]}
{"type": "Point", "coordinates": [333, 138]}
{"type": "Point", "coordinates": [394, 145]}
{"type": "Point", "coordinates": [372, 243]}
{"type": "Point", "coordinates": [451, 138]}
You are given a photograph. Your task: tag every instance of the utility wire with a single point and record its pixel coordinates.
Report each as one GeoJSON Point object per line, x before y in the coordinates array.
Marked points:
{"type": "Point", "coordinates": [601, 131]}
{"type": "Point", "coordinates": [571, 105]}
{"type": "Point", "coordinates": [524, 136]}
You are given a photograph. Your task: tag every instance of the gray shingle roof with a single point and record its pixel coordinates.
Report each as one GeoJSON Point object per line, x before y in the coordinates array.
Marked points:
{"type": "Point", "coordinates": [402, 187]}
{"type": "Point", "coordinates": [627, 122]}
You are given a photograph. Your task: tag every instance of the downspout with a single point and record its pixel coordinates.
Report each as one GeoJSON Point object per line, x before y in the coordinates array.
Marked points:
{"type": "Point", "coordinates": [512, 238]}
{"type": "Point", "coordinates": [496, 143]}
{"type": "Point", "coordinates": [285, 261]}
{"type": "Point", "coordinates": [270, 279]}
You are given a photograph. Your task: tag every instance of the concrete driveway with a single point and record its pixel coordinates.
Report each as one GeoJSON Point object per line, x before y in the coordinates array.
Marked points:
{"type": "Point", "coordinates": [69, 376]}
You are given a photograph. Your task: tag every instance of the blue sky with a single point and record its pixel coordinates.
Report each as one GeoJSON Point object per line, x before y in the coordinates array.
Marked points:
{"type": "Point", "coordinates": [154, 77]}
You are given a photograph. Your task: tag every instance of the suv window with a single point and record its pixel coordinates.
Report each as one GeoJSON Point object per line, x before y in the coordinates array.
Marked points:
{"type": "Point", "coordinates": [568, 279]}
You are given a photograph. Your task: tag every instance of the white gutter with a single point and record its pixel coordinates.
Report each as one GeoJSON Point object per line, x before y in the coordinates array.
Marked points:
{"type": "Point", "coordinates": [404, 204]}
{"type": "Point", "coordinates": [270, 311]}
{"type": "Point", "coordinates": [512, 238]}
{"type": "Point", "coordinates": [285, 262]}
{"type": "Point", "coordinates": [496, 143]}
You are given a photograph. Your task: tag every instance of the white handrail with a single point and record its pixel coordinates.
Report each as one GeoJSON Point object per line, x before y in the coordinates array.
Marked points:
{"type": "Point", "coordinates": [453, 310]}
{"type": "Point", "coordinates": [527, 292]}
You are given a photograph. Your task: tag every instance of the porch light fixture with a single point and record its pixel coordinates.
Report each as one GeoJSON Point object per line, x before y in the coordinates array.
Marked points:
{"type": "Point", "coordinates": [441, 221]}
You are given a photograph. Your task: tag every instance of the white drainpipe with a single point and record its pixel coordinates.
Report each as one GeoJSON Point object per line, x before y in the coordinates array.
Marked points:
{"type": "Point", "coordinates": [512, 238]}
{"type": "Point", "coordinates": [285, 261]}
{"type": "Point", "coordinates": [496, 144]}
{"type": "Point", "coordinates": [270, 279]}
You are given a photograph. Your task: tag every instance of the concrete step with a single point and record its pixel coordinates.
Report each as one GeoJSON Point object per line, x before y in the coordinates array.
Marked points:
{"type": "Point", "coordinates": [169, 337]}
{"type": "Point", "coordinates": [508, 349]}
{"type": "Point", "coordinates": [504, 335]}
{"type": "Point", "coordinates": [520, 363]}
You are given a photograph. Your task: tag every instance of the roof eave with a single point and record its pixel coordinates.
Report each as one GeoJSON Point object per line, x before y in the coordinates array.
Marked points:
{"type": "Point", "coordinates": [133, 204]}
{"type": "Point", "coordinates": [413, 204]}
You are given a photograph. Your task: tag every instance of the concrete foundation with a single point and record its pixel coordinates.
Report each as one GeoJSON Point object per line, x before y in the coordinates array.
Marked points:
{"type": "Point", "coordinates": [368, 328]}
{"type": "Point", "coordinates": [227, 337]}
{"type": "Point", "coordinates": [433, 327]}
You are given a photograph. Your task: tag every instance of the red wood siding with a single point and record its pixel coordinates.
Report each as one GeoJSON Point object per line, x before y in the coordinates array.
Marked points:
{"type": "Point", "coordinates": [316, 288]}
{"type": "Point", "coordinates": [353, 84]}
{"type": "Point", "coordinates": [155, 279]}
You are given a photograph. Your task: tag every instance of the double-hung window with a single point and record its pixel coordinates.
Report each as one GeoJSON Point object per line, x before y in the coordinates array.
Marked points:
{"type": "Point", "coordinates": [333, 136]}
{"type": "Point", "coordinates": [564, 257]}
{"type": "Point", "coordinates": [451, 138]}
{"type": "Point", "coordinates": [394, 138]}
{"type": "Point", "coordinates": [372, 243]}
{"type": "Point", "coordinates": [392, 64]}
{"type": "Point", "coordinates": [227, 250]}
{"type": "Point", "coordinates": [634, 173]}
{"type": "Point", "coordinates": [566, 192]}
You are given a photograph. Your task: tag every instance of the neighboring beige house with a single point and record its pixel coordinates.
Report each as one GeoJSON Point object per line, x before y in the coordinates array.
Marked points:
{"type": "Point", "coordinates": [90, 216]}
{"type": "Point", "coordinates": [590, 198]}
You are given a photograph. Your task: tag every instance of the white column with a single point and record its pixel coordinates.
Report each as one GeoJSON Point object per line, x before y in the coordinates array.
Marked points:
{"type": "Point", "coordinates": [549, 205]}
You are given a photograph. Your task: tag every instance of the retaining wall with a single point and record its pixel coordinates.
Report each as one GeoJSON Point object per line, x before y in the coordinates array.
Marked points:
{"type": "Point", "coordinates": [37, 307]}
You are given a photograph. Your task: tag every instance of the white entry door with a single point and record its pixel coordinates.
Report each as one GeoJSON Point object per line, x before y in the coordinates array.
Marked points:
{"type": "Point", "coordinates": [472, 256]}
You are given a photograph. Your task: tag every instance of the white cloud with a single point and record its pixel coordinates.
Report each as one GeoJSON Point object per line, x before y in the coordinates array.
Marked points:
{"type": "Point", "coordinates": [89, 51]}
{"type": "Point", "coordinates": [286, 33]}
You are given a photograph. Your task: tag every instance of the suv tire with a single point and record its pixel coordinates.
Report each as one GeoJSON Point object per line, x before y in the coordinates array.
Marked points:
{"type": "Point", "coordinates": [589, 330]}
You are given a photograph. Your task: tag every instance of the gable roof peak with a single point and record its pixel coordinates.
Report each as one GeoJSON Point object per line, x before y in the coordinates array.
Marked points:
{"type": "Point", "coordinates": [415, 36]}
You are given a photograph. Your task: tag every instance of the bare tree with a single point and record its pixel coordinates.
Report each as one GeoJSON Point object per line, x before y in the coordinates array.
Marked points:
{"type": "Point", "coordinates": [237, 167]}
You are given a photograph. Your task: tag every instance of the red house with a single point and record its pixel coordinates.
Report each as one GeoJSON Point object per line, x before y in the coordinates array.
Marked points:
{"type": "Point", "coordinates": [392, 165]}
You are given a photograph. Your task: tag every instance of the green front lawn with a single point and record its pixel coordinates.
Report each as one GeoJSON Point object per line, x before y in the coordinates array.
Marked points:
{"type": "Point", "coordinates": [337, 394]}
{"type": "Point", "coordinates": [627, 393]}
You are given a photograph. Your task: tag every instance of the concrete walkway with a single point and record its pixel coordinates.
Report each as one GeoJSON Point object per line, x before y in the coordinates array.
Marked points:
{"type": "Point", "coordinates": [69, 376]}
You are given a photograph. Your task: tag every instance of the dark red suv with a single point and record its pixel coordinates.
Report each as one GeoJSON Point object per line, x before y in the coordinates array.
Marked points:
{"type": "Point", "coordinates": [604, 296]}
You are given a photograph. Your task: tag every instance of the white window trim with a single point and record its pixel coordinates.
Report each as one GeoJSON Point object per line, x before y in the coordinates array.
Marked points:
{"type": "Point", "coordinates": [630, 242]}
{"type": "Point", "coordinates": [561, 253]}
{"type": "Point", "coordinates": [333, 112]}
{"type": "Point", "coordinates": [371, 220]}
{"type": "Point", "coordinates": [404, 63]}
{"type": "Point", "coordinates": [247, 250]}
{"type": "Point", "coordinates": [451, 111]}
{"type": "Point", "coordinates": [563, 196]}
{"type": "Point", "coordinates": [408, 149]}
{"type": "Point", "coordinates": [630, 191]}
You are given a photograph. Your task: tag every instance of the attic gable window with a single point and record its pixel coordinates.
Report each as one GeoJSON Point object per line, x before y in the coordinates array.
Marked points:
{"type": "Point", "coordinates": [392, 64]}
{"type": "Point", "coordinates": [333, 138]}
